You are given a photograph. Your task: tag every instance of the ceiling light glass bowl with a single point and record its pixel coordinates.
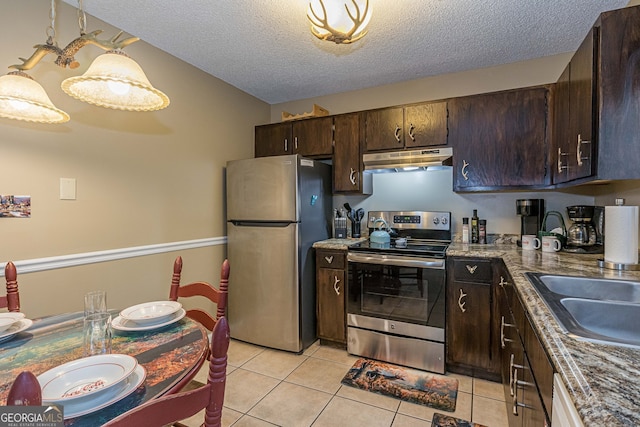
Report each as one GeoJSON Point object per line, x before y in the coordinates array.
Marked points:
{"type": "Point", "coordinates": [116, 81]}
{"type": "Point", "coordinates": [22, 98]}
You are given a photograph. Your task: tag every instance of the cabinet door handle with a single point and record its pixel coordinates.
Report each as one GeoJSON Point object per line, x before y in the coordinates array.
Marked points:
{"type": "Point", "coordinates": [329, 259]}
{"type": "Point", "coordinates": [286, 145]}
{"type": "Point", "coordinates": [352, 177]}
{"type": "Point", "coordinates": [460, 302]}
{"type": "Point", "coordinates": [465, 173]}
{"type": "Point", "coordinates": [517, 383]}
{"type": "Point", "coordinates": [295, 143]}
{"type": "Point", "coordinates": [397, 133]}
{"type": "Point", "coordinates": [560, 154]}
{"type": "Point", "coordinates": [336, 288]}
{"type": "Point", "coordinates": [515, 393]}
{"type": "Point", "coordinates": [503, 340]}
{"type": "Point", "coordinates": [579, 157]}
{"type": "Point", "coordinates": [471, 269]}
{"type": "Point", "coordinates": [502, 282]}
{"type": "Point", "coordinates": [513, 378]}
{"type": "Point", "coordinates": [411, 134]}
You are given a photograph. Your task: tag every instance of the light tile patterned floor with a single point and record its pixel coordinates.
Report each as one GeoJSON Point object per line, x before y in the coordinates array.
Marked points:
{"type": "Point", "coordinates": [274, 388]}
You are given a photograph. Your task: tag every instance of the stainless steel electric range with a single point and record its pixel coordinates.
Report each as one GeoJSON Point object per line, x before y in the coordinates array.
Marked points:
{"type": "Point", "coordinates": [396, 291]}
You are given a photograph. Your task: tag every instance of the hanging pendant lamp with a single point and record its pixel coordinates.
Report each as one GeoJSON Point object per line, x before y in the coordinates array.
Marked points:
{"type": "Point", "coordinates": [114, 80]}
{"type": "Point", "coordinates": [22, 98]}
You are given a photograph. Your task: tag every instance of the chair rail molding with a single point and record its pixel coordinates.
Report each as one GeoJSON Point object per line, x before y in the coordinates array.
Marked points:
{"type": "Point", "coordinates": [72, 260]}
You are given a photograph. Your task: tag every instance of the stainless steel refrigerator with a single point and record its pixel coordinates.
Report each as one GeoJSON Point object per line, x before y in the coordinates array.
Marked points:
{"type": "Point", "coordinates": [277, 207]}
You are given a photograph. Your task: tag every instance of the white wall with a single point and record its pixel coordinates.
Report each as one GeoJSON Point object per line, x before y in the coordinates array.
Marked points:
{"type": "Point", "coordinates": [432, 190]}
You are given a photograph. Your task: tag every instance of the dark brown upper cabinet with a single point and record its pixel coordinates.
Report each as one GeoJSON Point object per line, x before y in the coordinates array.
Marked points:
{"type": "Point", "coordinates": [273, 140]}
{"type": "Point", "coordinates": [308, 137]}
{"type": "Point", "coordinates": [411, 126]}
{"type": "Point", "coordinates": [597, 119]}
{"type": "Point", "coordinates": [618, 95]}
{"type": "Point", "coordinates": [383, 129]}
{"type": "Point", "coordinates": [574, 122]}
{"type": "Point", "coordinates": [425, 124]}
{"type": "Point", "coordinates": [348, 175]}
{"type": "Point", "coordinates": [499, 140]}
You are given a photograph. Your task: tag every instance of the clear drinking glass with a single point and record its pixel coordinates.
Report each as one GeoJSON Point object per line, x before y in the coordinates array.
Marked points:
{"type": "Point", "coordinates": [95, 302]}
{"type": "Point", "coordinates": [96, 334]}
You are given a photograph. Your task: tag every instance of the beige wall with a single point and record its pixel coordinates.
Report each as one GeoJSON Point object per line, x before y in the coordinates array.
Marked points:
{"type": "Point", "coordinates": [433, 191]}
{"type": "Point", "coordinates": [142, 178]}
{"type": "Point", "coordinates": [509, 76]}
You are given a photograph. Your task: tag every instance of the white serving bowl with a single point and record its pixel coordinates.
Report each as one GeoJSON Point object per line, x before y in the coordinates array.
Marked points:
{"type": "Point", "coordinates": [8, 319]}
{"type": "Point", "coordinates": [151, 312]}
{"type": "Point", "coordinates": [83, 377]}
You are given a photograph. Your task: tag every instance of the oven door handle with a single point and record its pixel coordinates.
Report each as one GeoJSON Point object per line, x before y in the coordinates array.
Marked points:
{"type": "Point", "coordinates": [400, 261]}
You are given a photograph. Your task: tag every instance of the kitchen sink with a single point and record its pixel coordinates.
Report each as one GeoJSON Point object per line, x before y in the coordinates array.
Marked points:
{"type": "Point", "coordinates": [599, 310]}
{"type": "Point", "coordinates": [585, 287]}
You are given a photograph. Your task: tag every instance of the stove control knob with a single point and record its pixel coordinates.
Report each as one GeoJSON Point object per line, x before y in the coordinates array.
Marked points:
{"type": "Point", "coordinates": [444, 220]}
{"type": "Point", "coordinates": [436, 221]}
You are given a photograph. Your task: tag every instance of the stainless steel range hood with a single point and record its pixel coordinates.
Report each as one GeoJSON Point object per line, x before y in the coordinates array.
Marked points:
{"type": "Point", "coordinates": [408, 160]}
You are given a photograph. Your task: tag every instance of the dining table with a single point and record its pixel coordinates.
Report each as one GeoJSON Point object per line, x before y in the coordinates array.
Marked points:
{"type": "Point", "coordinates": [171, 356]}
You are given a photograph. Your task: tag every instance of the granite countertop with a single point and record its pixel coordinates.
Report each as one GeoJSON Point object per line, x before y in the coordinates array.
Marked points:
{"type": "Point", "coordinates": [603, 380]}
{"type": "Point", "coordinates": [338, 244]}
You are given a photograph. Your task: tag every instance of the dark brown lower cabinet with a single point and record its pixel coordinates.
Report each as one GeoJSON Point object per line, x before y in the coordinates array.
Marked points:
{"type": "Point", "coordinates": [330, 297]}
{"type": "Point", "coordinates": [469, 318]}
{"type": "Point", "coordinates": [527, 373]}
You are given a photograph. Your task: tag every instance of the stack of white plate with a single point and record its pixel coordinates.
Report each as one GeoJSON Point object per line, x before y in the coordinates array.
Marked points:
{"type": "Point", "coordinates": [149, 315]}
{"type": "Point", "coordinates": [12, 323]}
{"type": "Point", "coordinates": [86, 385]}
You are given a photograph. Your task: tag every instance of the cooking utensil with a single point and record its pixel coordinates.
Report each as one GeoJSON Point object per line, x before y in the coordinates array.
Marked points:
{"type": "Point", "coordinates": [359, 214]}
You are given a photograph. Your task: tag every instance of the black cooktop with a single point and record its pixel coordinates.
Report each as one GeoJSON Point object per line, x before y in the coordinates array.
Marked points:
{"type": "Point", "coordinates": [424, 248]}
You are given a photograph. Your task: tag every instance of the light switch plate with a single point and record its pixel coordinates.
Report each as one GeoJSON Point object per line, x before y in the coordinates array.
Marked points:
{"type": "Point", "coordinates": [67, 188]}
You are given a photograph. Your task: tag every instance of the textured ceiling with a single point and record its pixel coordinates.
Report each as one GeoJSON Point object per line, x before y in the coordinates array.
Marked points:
{"type": "Point", "coordinates": [265, 48]}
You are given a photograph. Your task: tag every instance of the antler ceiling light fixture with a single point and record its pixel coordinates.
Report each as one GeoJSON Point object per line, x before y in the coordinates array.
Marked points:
{"type": "Point", "coordinates": [339, 21]}
{"type": "Point", "coordinates": [113, 80]}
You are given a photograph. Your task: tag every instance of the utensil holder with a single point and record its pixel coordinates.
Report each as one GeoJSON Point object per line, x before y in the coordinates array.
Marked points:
{"type": "Point", "coordinates": [355, 229]}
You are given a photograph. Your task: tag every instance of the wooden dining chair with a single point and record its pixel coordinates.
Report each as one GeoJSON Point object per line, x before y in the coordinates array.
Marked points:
{"type": "Point", "coordinates": [11, 300]}
{"type": "Point", "coordinates": [217, 295]}
{"type": "Point", "coordinates": [173, 408]}
{"type": "Point", "coordinates": [25, 391]}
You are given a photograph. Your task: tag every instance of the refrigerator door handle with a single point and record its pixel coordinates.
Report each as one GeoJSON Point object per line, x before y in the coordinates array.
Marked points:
{"type": "Point", "coordinates": [261, 223]}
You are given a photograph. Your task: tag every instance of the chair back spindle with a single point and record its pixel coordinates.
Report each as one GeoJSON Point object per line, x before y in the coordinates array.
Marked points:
{"type": "Point", "coordinates": [11, 300]}
{"type": "Point", "coordinates": [218, 296]}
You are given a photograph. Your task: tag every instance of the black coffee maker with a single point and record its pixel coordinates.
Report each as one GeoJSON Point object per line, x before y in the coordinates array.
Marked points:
{"type": "Point", "coordinates": [585, 234]}
{"type": "Point", "coordinates": [531, 213]}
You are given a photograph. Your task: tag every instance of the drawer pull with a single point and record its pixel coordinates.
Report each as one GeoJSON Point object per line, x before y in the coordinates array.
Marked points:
{"type": "Point", "coordinates": [513, 380]}
{"type": "Point", "coordinates": [502, 337]}
{"type": "Point", "coordinates": [471, 269]}
{"type": "Point", "coordinates": [336, 288]}
{"type": "Point", "coordinates": [329, 259]}
{"type": "Point", "coordinates": [352, 177]}
{"type": "Point", "coordinates": [502, 282]}
{"type": "Point", "coordinates": [460, 302]}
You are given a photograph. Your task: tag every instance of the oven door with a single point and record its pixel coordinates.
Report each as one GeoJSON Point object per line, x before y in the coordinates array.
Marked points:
{"type": "Point", "coordinates": [402, 295]}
